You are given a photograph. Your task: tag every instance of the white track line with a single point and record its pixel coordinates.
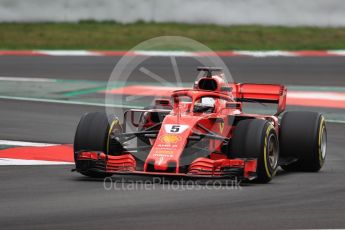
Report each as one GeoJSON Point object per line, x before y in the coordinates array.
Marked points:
{"type": "Point", "coordinates": [68, 102]}
{"type": "Point", "coordinates": [165, 53]}
{"type": "Point", "coordinates": [68, 53]}
{"type": "Point", "coordinates": [26, 79]}
{"type": "Point", "coordinates": [335, 121]}
{"type": "Point", "coordinates": [13, 161]}
{"type": "Point", "coordinates": [337, 52]}
{"type": "Point", "coordinates": [24, 143]}
{"type": "Point", "coordinates": [272, 53]}
{"type": "Point", "coordinates": [9, 161]}
{"type": "Point", "coordinates": [335, 96]}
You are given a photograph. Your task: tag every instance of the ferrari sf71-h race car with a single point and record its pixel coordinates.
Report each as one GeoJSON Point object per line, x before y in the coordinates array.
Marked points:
{"type": "Point", "coordinates": [203, 132]}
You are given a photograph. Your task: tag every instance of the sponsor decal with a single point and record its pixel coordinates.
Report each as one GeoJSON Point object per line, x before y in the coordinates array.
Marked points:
{"type": "Point", "coordinates": [166, 146]}
{"type": "Point", "coordinates": [170, 138]}
{"type": "Point", "coordinates": [174, 128]}
{"type": "Point", "coordinates": [163, 155]}
{"type": "Point", "coordinates": [163, 151]}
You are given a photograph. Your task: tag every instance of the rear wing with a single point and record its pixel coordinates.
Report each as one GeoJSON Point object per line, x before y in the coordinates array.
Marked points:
{"type": "Point", "coordinates": [264, 93]}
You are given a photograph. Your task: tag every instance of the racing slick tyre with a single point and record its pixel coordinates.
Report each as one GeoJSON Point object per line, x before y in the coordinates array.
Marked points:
{"type": "Point", "coordinates": [256, 138]}
{"type": "Point", "coordinates": [93, 134]}
{"type": "Point", "coordinates": [303, 136]}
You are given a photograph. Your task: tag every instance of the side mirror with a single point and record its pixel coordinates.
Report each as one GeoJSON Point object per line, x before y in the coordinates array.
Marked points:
{"type": "Point", "coordinates": [163, 102]}
{"type": "Point", "coordinates": [233, 105]}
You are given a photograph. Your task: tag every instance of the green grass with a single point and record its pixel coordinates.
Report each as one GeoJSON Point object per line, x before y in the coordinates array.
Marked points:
{"type": "Point", "coordinates": [114, 36]}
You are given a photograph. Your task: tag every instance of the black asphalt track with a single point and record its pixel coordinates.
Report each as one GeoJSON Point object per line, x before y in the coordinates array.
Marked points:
{"type": "Point", "coordinates": [52, 197]}
{"type": "Point", "coordinates": [318, 71]}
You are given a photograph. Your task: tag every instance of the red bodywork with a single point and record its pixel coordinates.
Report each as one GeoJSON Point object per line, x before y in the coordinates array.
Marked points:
{"type": "Point", "coordinates": [184, 125]}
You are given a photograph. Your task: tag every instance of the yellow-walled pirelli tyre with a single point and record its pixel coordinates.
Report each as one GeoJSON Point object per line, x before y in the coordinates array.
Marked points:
{"type": "Point", "coordinates": [303, 136]}
{"type": "Point", "coordinates": [256, 138]}
{"type": "Point", "coordinates": [93, 134]}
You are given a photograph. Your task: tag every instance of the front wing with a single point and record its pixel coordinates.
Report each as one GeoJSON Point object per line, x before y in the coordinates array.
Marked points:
{"type": "Point", "coordinates": [125, 164]}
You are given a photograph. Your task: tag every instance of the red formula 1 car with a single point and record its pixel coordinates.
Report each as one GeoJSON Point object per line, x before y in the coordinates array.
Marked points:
{"type": "Point", "coordinates": [203, 132]}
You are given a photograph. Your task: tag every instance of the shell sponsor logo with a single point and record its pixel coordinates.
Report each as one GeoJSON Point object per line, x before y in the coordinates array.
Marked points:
{"type": "Point", "coordinates": [170, 138]}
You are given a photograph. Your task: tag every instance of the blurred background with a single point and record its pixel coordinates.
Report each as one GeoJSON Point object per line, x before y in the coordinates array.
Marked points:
{"type": "Point", "coordinates": [219, 24]}
{"type": "Point", "coordinates": [220, 12]}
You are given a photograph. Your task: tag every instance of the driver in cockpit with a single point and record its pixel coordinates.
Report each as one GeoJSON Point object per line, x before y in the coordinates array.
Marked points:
{"type": "Point", "coordinates": [204, 105]}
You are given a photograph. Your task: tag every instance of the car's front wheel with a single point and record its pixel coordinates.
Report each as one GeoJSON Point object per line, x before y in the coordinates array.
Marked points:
{"type": "Point", "coordinates": [256, 138]}
{"type": "Point", "coordinates": [93, 134]}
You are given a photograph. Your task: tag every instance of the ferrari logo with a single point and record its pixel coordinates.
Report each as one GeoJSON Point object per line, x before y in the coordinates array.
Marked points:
{"type": "Point", "coordinates": [160, 161]}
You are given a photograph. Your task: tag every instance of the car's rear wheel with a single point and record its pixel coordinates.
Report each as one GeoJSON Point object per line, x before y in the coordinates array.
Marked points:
{"type": "Point", "coordinates": [256, 138]}
{"type": "Point", "coordinates": [93, 134]}
{"type": "Point", "coordinates": [303, 136]}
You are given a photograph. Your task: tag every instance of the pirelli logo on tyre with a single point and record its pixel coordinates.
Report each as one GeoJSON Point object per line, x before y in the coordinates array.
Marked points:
{"type": "Point", "coordinates": [170, 138]}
